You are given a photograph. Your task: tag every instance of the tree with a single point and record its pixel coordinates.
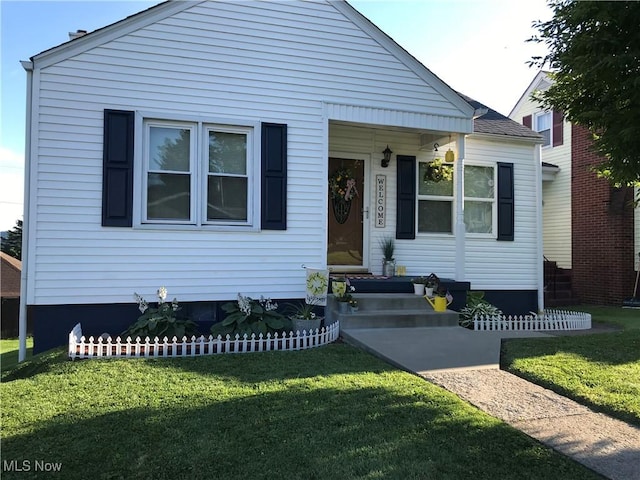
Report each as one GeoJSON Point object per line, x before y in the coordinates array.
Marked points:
{"type": "Point", "coordinates": [12, 244]}
{"type": "Point", "coordinates": [594, 55]}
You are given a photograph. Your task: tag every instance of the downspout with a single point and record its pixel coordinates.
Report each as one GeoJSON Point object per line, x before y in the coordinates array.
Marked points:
{"type": "Point", "coordinates": [459, 196]}
{"type": "Point", "coordinates": [540, 253]}
{"type": "Point", "coordinates": [22, 321]}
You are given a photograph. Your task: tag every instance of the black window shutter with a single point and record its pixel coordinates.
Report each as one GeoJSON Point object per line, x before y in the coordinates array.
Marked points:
{"type": "Point", "coordinates": [526, 121]}
{"type": "Point", "coordinates": [117, 168]}
{"type": "Point", "coordinates": [274, 177]}
{"type": "Point", "coordinates": [406, 197]}
{"type": "Point", "coordinates": [557, 128]}
{"type": "Point", "coordinates": [506, 217]}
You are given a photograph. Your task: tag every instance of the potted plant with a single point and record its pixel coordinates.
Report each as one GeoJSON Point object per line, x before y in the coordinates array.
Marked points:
{"type": "Point", "coordinates": [353, 305]}
{"type": "Point", "coordinates": [432, 283]}
{"type": "Point", "coordinates": [419, 284]}
{"type": "Point", "coordinates": [342, 290]}
{"type": "Point", "coordinates": [303, 317]}
{"type": "Point", "coordinates": [388, 246]}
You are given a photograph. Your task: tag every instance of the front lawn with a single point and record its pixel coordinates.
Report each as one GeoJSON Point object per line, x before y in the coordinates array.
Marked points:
{"type": "Point", "coordinates": [9, 352]}
{"type": "Point", "coordinates": [627, 318]}
{"type": "Point", "coordinates": [334, 412]}
{"type": "Point", "coordinates": [601, 371]}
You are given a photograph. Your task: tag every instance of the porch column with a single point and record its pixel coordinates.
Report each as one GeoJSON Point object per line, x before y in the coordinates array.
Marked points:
{"type": "Point", "coordinates": [459, 196]}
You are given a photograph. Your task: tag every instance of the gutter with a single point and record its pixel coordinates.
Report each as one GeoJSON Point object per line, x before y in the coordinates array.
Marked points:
{"type": "Point", "coordinates": [509, 138]}
{"type": "Point", "coordinates": [540, 251]}
{"type": "Point", "coordinates": [22, 322]}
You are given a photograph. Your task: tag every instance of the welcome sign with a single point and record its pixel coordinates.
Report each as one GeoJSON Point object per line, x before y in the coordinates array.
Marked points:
{"type": "Point", "coordinates": [381, 200]}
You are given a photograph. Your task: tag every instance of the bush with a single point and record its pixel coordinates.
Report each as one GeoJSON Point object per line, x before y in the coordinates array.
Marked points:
{"type": "Point", "coordinates": [160, 321]}
{"type": "Point", "coordinates": [247, 316]}
{"type": "Point", "coordinates": [476, 305]}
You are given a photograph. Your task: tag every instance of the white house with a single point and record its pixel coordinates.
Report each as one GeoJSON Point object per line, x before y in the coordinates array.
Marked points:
{"type": "Point", "coordinates": [191, 145]}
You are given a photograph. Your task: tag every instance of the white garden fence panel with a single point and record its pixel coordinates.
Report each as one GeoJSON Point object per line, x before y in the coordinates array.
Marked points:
{"type": "Point", "coordinates": [549, 320]}
{"type": "Point", "coordinates": [105, 347]}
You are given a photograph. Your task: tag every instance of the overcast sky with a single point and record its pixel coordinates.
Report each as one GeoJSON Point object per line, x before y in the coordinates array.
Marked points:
{"type": "Point", "coordinates": [478, 47]}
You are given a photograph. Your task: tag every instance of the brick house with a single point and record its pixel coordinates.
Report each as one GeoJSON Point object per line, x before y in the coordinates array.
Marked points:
{"type": "Point", "coordinates": [591, 231]}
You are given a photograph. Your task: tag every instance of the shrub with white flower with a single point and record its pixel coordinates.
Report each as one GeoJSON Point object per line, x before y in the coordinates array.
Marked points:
{"type": "Point", "coordinates": [160, 321]}
{"type": "Point", "coordinates": [247, 316]}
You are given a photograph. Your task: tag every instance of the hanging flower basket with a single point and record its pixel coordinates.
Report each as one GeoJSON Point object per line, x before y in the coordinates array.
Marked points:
{"type": "Point", "coordinates": [436, 171]}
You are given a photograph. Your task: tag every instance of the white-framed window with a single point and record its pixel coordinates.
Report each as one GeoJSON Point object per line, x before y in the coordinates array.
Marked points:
{"type": "Point", "coordinates": [227, 184]}
{"type": "Point", "coordinates": [435, 197]}
{"type": "Point", "coordinates": [479, 198]}
{"type": "Point", "coordinates": [169, 171]}
{"type": "Point", "coordinates": [197, 173]}
{"type": "Point", "coordinates": [543, 122]}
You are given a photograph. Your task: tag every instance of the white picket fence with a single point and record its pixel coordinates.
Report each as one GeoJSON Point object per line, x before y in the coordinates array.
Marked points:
{"type": "Point", "coordinates": [550, 320]}
{"type": "Point", "coordinates": [99, 347]}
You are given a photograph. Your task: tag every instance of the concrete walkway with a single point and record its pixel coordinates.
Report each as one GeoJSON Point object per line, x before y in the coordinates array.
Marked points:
{"type": "Point", "coordinates": [468, 363]}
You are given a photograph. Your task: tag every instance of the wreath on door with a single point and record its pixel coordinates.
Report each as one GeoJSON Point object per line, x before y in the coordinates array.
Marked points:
{"type": "Point", "coordinates": [342, 190]}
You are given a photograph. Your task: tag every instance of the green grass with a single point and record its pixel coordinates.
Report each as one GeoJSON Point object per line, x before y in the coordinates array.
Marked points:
{"type": "Point", "coordinates": [329, 413]}
{"type": "Point", "coordinates": [601, 371]}
{"type": "Point", "coordinates": [9, 352]}
{"type": "Point", "coordinates": [627, 318]}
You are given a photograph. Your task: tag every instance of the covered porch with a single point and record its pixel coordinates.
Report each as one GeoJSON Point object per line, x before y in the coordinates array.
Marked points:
{"type": "Point", "coordinates": [380, 186]}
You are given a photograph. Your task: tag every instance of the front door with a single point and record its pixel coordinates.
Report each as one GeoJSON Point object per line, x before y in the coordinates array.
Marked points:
{"type": "Point", "coordinates": [346, 215]}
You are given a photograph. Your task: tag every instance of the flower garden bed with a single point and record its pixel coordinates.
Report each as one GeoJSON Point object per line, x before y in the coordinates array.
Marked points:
{"type": "Point", "coordinates": [100, 347]}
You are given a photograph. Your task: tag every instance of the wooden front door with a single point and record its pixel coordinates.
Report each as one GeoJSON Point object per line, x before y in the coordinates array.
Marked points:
{"type": "Point", "coordinates": [346, 214]}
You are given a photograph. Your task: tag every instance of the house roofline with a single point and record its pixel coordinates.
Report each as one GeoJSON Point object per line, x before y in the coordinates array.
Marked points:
{"type": "Point", "coordinates": [14, 263]}
{"type": "Point", "coordinates": [509, 138]}
{"type": "Point", "coordinates": [157, 12]}
{"type": "Point", "coordinates": [110, 32]}
{"type": "Point", "coordinates": [404, 56]}
{"type": "Point", "coordinates": [541, 75]}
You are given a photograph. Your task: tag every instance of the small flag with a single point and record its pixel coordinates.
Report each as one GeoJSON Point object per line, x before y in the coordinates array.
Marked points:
{"type": "Point", "coordinates": [449, 297]}
{"type": "Point", "coordinates": [317, 286]}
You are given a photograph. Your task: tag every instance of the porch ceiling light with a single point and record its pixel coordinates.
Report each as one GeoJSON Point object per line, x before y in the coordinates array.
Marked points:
{"type": "Point", "coordinates": [387, 157]}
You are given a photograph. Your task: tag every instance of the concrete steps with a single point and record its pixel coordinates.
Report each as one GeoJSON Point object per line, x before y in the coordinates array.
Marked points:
{"type": "Point", "coordinates": [389, 310]}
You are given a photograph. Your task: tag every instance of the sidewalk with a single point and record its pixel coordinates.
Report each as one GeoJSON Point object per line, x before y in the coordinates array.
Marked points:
{"type": "Point", "coordinates": [467, 363]}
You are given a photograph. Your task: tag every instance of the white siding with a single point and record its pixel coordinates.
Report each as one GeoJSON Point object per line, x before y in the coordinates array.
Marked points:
{"type": "Point", "coordinates": [556, 194]}
{"type": "Point", "coordinates": [490, 264]}
{"type": "Point", "coordinates": [250, 61]}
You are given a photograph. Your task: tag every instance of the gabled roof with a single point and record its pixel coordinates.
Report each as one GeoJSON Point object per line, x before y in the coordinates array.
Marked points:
{"type": "Point", "coordinates": [401, 54]}
{"type": "Point", "coordinates": [170, 7]}
{"type": "Point", "coordinates": [494, 123]}
{"type": "Point", "coordinates": [109, 32]}
{"type": "Point", "coordinates": [10, 269]}
{"type": "Point", "coordinates": [540, 82]}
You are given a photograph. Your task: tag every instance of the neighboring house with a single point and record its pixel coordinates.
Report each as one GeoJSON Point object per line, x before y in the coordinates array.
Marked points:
{"type": "Point", "coordinates": [191, 145]}
{"type": "Point", "coordinates": [10, 269]}
{"type": "Point", "coordinates": [590, 230]}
